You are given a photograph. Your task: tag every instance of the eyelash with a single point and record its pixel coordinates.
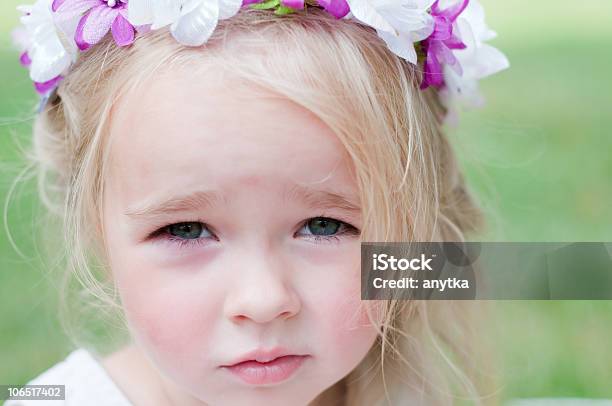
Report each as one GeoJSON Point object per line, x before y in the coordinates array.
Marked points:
{"type": "Point", "coordinates": [162, 233]}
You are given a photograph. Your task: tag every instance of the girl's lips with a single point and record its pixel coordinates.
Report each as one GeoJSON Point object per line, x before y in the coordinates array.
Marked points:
{"type": "Point", "coordinates": [260, 373]}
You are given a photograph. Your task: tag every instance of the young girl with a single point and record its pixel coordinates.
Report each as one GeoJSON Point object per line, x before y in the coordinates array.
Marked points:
{"type": "Point", "coordinates": [216, 180]}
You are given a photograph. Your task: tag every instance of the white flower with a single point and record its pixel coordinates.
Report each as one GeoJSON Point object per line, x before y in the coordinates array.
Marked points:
{"type": "Point", "coordinates": [48, 42]}
{"type": "Point", "coordinates": [478, 59]}
{"type": "Point", "coordinates": [21, 38]}
{"type": "Point", "coordinates": [400, 23]}
{"type": "Point", "coordinates": [192, 21]}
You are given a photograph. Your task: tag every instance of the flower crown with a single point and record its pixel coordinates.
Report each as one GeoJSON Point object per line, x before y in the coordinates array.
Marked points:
{"type": "Point", "coordinates": [449, 34]}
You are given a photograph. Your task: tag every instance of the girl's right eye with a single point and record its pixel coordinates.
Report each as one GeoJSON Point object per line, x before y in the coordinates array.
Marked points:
{"type": "Point", "coordinates": [185, 234]}
{"type": "Point", "coordinates": [188, 231]}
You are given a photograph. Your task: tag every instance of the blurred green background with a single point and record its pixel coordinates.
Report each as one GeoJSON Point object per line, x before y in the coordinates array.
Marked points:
{"type": "Point", "coordinates": [539, 156]}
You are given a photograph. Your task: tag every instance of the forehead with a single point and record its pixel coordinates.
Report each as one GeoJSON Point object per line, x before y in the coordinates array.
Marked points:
{"type": "Point", "coordinates": [192, 132]}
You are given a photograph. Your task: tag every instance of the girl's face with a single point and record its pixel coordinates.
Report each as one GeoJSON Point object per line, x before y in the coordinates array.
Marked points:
{"type": "Point", "coordinates": [232, 230]}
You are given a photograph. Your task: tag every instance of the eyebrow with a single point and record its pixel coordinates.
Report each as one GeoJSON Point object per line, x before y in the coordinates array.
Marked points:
{"type": "Point", "coordinates": [202, 199]}
{"type": "Point", "coordinates": [198, 199]}
{"type": "Point", "coordinates": [322, 199]}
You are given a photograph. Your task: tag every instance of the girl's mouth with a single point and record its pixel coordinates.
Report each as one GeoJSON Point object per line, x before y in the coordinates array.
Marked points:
{"type": "Point", "coordinates": [274, 371]}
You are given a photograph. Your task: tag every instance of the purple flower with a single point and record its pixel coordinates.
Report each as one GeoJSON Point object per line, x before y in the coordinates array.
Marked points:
{"type": "Point", "coordinates": [48, 86]}
{"type": "Point", "coordinates": [99, 17]}
{"type": "Point", "coordinates": [439, 45]}
{"type": "Point", "coordinates": [25, 60]}
{"type": "Point", "coordinates": [337, 8]}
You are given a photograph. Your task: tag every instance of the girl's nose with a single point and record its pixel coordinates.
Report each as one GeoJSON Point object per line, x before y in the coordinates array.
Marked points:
{"type": "Point", "coordinates": [262, 294]}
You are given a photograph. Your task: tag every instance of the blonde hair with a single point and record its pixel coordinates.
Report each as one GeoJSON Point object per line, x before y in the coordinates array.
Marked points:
{"type": "Point", "coordinates": [411, 186]}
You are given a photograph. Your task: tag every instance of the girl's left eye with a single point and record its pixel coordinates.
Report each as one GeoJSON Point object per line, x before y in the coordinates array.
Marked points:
{"type": "Point", "coordinates": [326, 229]}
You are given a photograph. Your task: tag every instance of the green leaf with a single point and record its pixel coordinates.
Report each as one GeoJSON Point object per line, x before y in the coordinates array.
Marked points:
{"type": "Point", "coordinates": [266, 4]}
{"type": "Point", "coordinates": [282, 10]}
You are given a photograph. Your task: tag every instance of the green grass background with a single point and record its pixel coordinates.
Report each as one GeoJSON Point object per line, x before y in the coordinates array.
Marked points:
{"type": "Point", "coordinates": [539, 157]}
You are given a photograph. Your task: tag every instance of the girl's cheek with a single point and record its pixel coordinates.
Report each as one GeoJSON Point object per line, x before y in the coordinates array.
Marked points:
{"type": "Point", "coordinates": [344, 313]}
{"type": "Point", "coordinates": [351, 312]}
{"type": "Point", "coordinates": [170, 315]}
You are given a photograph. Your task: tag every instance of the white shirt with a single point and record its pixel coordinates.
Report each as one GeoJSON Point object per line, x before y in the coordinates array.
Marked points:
{"type": "Point", "coordinates": [87, 383]}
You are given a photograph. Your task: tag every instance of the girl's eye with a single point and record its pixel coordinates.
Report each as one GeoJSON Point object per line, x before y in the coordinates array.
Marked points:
{"type": "Point", "coordinates": [187, 231]}
{"type": "Point", "coordinates": [325, 228]}
{"type": "Point", "coordinates": [184, 234]}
